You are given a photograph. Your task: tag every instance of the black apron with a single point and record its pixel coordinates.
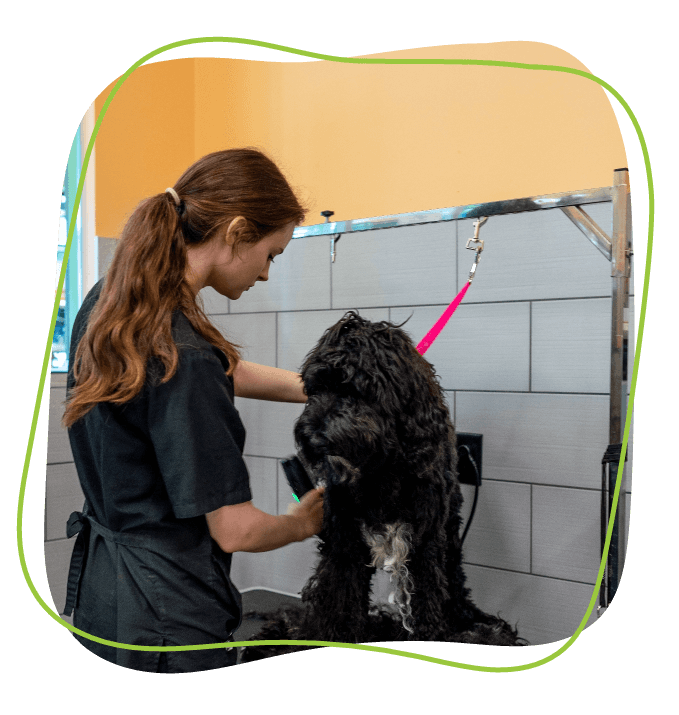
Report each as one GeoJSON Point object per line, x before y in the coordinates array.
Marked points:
{"type": "Point", "coordinates": [151, 602]}
{"type": "Point", "coordinates": [144, 569]}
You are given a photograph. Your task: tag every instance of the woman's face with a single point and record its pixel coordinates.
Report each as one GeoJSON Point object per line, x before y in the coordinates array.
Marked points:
{"type": "Point", "coordinates": [231, 274]}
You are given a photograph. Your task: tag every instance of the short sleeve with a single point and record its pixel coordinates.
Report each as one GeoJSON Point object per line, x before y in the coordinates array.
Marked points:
{"type": "Point", "coordinates": [198, 437]}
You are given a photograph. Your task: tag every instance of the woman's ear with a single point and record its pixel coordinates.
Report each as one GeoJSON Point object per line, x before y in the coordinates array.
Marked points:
{"type": "Point", "coordinates": [233, 230]}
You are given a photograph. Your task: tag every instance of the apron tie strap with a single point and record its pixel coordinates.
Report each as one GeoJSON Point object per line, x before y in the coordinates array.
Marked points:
{"type": "Point", "coordinates": [79, 524]}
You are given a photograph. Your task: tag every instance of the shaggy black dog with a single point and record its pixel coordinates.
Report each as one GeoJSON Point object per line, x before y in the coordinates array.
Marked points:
{"type": "Point", "coordinates": [376, 432]}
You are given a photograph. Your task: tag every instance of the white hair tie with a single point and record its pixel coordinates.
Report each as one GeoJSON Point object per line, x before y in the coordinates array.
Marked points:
{"type": "Point", "coordinates": [174, 194]}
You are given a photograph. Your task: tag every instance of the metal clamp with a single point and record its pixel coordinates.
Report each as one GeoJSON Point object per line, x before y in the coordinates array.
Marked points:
{"type": "Point", "coordinates": [478, 247]}
{"type": "Point", "coordinates": [475, 238]}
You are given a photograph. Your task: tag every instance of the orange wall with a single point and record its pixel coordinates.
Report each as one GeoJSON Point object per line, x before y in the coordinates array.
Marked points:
{"type": "Point", "coordinates": [365, 140]}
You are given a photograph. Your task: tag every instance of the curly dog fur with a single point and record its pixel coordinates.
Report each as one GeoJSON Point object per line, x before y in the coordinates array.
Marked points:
{"type": "Point", "coordinates": [376, 432]}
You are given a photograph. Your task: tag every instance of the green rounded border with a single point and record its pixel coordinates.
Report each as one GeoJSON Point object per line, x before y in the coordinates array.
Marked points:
{"type": "Point", "coordinates": [48, 350]}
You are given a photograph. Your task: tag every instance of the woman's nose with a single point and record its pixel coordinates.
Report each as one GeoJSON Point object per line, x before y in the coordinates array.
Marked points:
{"type": "Point", "coordinates": [264, 275]}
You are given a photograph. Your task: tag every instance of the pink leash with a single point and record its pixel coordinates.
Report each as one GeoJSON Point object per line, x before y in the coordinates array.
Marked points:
{"type": "Point", "coordinates": [429, 338]}
{"type": "Point", "coordinates": [438, 326]}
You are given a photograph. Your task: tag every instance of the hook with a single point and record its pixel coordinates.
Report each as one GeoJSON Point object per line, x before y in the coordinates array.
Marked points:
{"type": "Point", "coordinates": [333, 239]}
{"type": "Point", "coordinates": [475, 238]}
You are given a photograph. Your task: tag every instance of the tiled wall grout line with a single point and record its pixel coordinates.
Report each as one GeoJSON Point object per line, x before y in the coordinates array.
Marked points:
{"type": "Point", "coordinates": [530, 346]}
{"type": "Point", "coordinates": [526, 573]}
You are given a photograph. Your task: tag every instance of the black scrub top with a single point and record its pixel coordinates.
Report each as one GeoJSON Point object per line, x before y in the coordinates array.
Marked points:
{"type": "Point", "coordinates": [144, 569]}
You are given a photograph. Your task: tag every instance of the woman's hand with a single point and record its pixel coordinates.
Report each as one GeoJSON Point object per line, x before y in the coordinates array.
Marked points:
{"type": "Point", "coordinates": [309, 510]}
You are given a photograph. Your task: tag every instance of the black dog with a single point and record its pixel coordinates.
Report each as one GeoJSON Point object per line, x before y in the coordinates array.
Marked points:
{"type": "Point", "coordinates": [376, 432]}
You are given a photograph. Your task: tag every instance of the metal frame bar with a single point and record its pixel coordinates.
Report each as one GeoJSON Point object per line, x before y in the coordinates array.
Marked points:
{"type": "Point", "coordinates": [457, 213]}
{"type": "Point", "coordinates": [617, 249]}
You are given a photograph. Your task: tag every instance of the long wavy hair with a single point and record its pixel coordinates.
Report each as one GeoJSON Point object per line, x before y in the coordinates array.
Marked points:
{"type": "Point", "coordinates": [146, 282]}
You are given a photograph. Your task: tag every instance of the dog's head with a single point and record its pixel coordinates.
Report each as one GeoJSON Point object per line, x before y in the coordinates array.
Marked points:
{"type": "Point", "coordinates": [373, 399]}
{"type": "Point", "coordinates": [370, 361]}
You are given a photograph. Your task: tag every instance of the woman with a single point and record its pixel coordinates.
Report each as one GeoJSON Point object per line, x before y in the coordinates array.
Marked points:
{"type": "Point", "coordinates": [156, 439]}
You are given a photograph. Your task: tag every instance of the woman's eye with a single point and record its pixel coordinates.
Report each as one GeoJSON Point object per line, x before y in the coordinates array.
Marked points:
{"type": "Point", "coordinates": [271, 259]}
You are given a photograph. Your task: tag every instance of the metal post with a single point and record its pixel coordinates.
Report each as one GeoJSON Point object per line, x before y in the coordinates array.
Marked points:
{"type": "Point", "coordinates": [620, 265]}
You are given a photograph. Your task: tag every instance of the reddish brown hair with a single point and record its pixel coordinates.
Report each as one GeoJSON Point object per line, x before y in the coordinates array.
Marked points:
{"type": "Point", "coordinates": [146, 283]}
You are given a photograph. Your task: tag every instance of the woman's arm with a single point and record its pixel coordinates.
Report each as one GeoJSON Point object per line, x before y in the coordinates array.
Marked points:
{"type": "Point", "coordinates": [267, 383]}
